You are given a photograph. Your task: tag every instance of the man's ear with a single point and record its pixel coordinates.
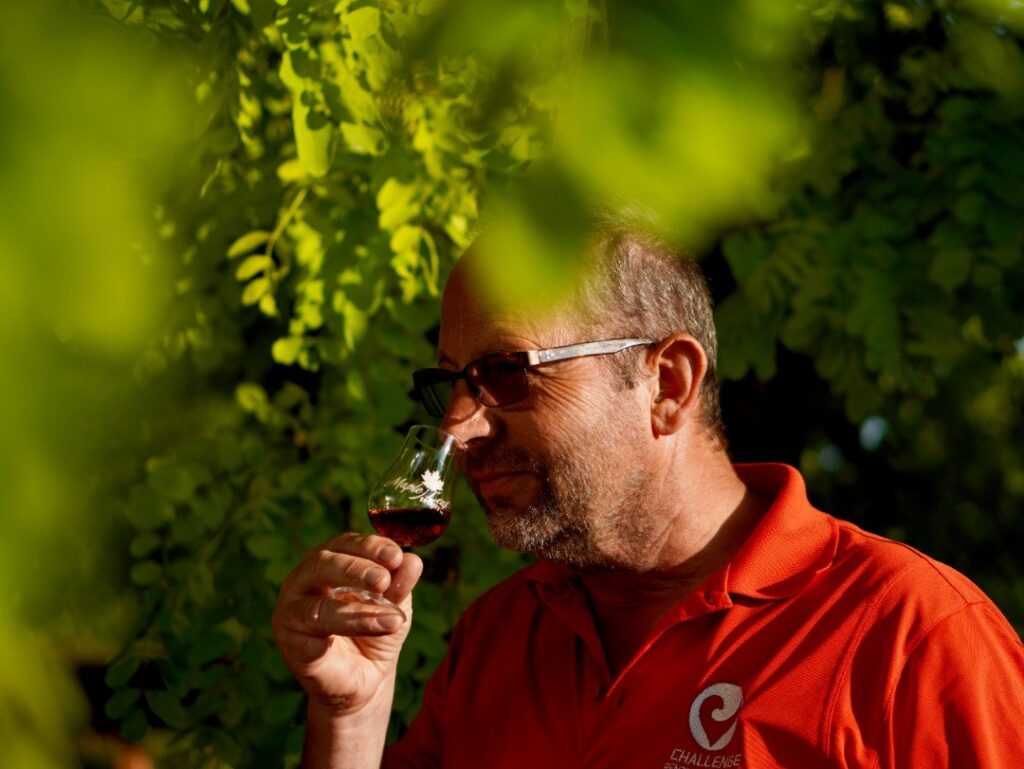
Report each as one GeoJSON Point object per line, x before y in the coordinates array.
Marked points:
{"type": "Point", "coordinates": [680, 364]}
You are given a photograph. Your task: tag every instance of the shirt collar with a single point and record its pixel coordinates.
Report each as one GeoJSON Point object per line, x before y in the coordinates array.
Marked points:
{"type": "Point", "coordinates": [791, 544]}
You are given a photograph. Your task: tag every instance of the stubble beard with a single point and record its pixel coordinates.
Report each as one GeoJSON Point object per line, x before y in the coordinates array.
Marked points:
{"type": "Point", "coordinates": [590, 509]}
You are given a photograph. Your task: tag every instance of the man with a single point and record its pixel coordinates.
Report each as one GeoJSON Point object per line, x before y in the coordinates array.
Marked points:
{"type": "Point", "coordinates": [684, 611]}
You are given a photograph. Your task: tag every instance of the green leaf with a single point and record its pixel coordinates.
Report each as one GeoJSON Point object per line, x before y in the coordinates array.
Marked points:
{"type": "Point", "coordinates": [210, 647]}
{"type": "Point", "coordinates": [969, 207]}
{"type": "Point", "coordinates": [268, 305]}
{"type": "Point", "coordinates": [261, 12]}
{"type": "Point", "coordinates": [168, 708]}
{"type": "Point", "coordinates": [745, 253]}
{"type": "Point", "coordinates": [229, 451]}
{"type": "Point", "coordinates": [144, 544]}
{"type": "Point", "coordinates": [251, 397]}
{"type": "Point", "coordinates": [313, 132]}
{"type": "Point", "coordinates": [233, 710]}
{"type": "Point", "coordinates": [396, 203]}
{"type": "Point", "coordinates": [147, 510]}
{"type": "Point", "coordinates": [200, 585]}
{"type": "Point", "coordinates": [227, 748]}
{"type": "Point", "coordinates": [277, 569]}
{"type": "Point", "coordinates": [267, 545]}
{"type": "Point", "coordinates": [120, 672]}
{"type": "Point", "coordinates": [173, 480]}
{"type": "Point", "coordinates": [255, 291]}
{"type": "Point", "coordinates": [248, 242]}
{"type": "Point", "coordinates": [355, 324]}
{"type": "Point", "coordinates": [186, 529]}
{"type": "Point", "coordinates": [363, 139]}
{"type": "Point", "coordinates": [210, 511]}
{"type": "Point", "coordinates": [291, 171]}
{"type": "Point", "coordinates": [134, 727]}
{"type": "Point", "coordinates": [146, 573]}
{"type": "Point", "coordinates": [951, 268]}
{"type": "Point", "coordinates": [363, 22]}
{"type": "Point", "coordinates": [286, 349]}
{"type": "Point", "coordinates": [292, 79]}
{"type": "Point", "coordinates": [252, 265]}
{"type": "Point", "coordinates": [121, 702]}
{"type": "Point", "coordinates": [406, 238]}
{"type": "Point", "coordinates": [281, 707]}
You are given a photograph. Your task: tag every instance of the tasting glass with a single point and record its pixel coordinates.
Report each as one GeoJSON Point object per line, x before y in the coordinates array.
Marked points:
{"type": "Point", "coordinates": [411, 502]}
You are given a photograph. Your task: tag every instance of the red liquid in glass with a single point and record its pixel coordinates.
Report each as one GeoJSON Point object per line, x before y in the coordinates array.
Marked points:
{"type": "Point", "coordinates": [410, 526]}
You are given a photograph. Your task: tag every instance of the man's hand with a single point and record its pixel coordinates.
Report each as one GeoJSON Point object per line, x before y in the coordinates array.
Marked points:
{"type": "Point", "coordinates": [343, 654]}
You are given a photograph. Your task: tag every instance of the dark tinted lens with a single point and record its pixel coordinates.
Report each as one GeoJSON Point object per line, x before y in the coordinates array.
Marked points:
{"type": "Point", "coordinates": [434, 390]}
{"type": "Point", "coordinates": [500, 379]}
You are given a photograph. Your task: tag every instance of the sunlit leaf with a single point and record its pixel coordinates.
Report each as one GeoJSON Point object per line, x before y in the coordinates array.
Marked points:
{"type": "Point", "coordinates": [363, 22]}
{"type": "Point", "coordinates": [248, 242]}
{"type": "Point", "coordinates": [396, 203]}
{"type": "Point", "coordinates": [252, 265]}
{"type": "Point", "coordinates": [255, 290]}
{"type": "Point", "coordinates": [313, 133]}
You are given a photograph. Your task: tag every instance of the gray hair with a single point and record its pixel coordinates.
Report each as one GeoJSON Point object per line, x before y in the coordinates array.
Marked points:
{"type": "Point", "coordinates": [637, 285]}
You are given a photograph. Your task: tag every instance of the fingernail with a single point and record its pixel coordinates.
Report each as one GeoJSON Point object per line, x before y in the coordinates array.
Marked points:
{"type": "Point", "coordinates": [389, 552]}
{"type": "Point", "coordinates": [373, 576]}
{"type": "Point", "coordinates": [389, 621]}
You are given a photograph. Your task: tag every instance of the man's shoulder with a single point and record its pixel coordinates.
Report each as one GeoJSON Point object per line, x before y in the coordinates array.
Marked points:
{"type": "Point", "coordinates": [890, 573]}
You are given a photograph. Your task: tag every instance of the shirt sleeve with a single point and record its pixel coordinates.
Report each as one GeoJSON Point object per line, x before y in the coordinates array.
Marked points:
{"type": "Point", "coordinates": [420, 748]}
{"type": "Point", "coordinates": [960, 699]}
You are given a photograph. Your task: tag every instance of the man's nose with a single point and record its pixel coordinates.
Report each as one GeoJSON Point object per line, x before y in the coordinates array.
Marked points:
{"type": "Point", "coordinates": [466, 418]}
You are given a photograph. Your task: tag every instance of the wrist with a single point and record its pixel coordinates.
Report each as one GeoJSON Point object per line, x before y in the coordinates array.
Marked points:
{"type": "Point", "coordinates": [351, 738]}
{"type": "Point", "coordinates": [328, 710]}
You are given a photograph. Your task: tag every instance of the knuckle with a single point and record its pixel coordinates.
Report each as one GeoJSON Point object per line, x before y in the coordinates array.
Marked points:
{"type": "Point", "coordinates": [346, 541]}
{"type": "Point", "coordinates": [320, 564]}
{"type": "Point", "coordinates": [314, 613]}
{"type": "Point", "coordinates": [354, 570]}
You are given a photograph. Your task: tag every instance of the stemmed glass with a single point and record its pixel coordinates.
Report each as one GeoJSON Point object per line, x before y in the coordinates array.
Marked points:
{"type": "Point", "coordinates": [411, 502]}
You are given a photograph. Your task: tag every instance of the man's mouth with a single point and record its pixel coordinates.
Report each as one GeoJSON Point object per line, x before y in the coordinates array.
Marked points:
{"type": "Point", "coordinates": [495, 482]}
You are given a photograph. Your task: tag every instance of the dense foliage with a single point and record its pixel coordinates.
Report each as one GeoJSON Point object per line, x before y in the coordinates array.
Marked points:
{"type": "Point", "coordinates": [852, 174]}
{"type": "Point", "coordinates": [348, 154]}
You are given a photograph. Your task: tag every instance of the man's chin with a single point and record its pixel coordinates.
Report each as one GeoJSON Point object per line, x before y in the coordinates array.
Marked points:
{"type": "Point", "coordinates": [523, 532]}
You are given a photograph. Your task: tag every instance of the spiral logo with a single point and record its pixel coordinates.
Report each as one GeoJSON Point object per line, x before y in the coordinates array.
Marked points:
{"type": "Point", "coordinates": [731, 697]}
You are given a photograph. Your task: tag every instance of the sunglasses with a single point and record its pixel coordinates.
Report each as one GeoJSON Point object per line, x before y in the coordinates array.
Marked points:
{"type": "Point", "coordinates": [499, 379]}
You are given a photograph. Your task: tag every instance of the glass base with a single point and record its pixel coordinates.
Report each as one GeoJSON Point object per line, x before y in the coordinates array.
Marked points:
{"type": "Point", "coordinates": [356, 595]}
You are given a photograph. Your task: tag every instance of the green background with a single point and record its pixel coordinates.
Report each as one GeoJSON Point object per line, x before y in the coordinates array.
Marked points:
{"type": "Point", "coordinates": [225, 225]}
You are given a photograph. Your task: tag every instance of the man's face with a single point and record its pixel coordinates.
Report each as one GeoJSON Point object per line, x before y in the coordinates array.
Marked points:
{"type": "Point", "coordinates": [561, 474]}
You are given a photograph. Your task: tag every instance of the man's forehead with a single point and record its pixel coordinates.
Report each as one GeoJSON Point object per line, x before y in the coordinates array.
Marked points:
{"type": "Point", "coordinates": [477, 318]}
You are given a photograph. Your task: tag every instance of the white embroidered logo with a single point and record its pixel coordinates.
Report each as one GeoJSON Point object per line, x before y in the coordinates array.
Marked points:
{"type": "Point", "coordinates": [732, 698]}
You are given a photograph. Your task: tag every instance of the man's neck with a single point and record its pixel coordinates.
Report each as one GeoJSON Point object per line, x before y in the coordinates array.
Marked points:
{"type": "Point", "coordinates": [710, 521]}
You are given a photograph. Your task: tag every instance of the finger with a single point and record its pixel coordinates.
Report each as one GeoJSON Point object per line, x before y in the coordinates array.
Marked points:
{"type": "Point", "coordinates": [299, 648]}
{"type": "Point", "coordinates": [404, 578]}
{"type": "Point", "coordinates": [370, 546]}
{"type": "Point", "coordinates": [324, 569]}
{"type": "Point", "coordinates": [322, 616]}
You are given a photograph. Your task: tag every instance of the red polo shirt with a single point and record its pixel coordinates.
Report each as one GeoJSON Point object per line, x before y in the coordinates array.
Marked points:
{"type": "Point", "coordinates": [818, 645]}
